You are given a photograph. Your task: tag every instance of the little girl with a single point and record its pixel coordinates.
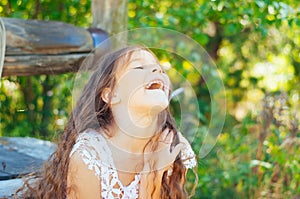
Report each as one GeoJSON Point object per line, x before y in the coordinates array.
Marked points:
{"type": "Point", "coordinates": [120, 141]}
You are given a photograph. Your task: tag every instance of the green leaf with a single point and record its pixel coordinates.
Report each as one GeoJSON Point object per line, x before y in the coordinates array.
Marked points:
{"type": "Point", "coordinates": [231, 29]}
{"type": "Point", "coordinates": [202, 38]}
{"type": "Point", "coordinates": [297, 21]}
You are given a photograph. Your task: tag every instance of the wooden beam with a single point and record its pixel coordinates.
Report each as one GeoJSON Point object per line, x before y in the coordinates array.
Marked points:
{"type": "Point", "coordinates": [36, 47]}
{"type": "Point", "coordinates": [25, 65]}
{"type": "Point", "coordinates": [45, 37]}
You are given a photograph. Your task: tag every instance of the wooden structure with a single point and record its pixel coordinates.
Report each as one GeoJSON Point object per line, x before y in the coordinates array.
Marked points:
{"type": "Point", "coordinates": [36, 47]}
{"type": "Point", "coordinates": [44, 47]}
{"type": "Point", "coordinates": [19, 156]}
{"type": "Point", "coordinates": [47, 47]}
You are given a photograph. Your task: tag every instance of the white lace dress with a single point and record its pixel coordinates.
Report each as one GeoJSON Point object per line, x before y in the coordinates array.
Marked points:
{"type": "Point", "coordinates": [96, 154]}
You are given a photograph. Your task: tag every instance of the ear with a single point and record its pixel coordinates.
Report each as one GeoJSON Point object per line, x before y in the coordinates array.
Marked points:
{"type": "Point", "coordinates": [108, 97]}
{"type": "Point", "coordinates": [105, 95]}
{"type": "Point", "coordinates": [115, 99]}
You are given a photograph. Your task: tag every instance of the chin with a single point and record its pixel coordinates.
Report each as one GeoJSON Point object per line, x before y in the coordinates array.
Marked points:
{"type": "Point", "coordinates": [151, 105]}
{"type": "Point", "coordinates": [150, 100]}
{"type": "Point", "coordinates": [155, 109]}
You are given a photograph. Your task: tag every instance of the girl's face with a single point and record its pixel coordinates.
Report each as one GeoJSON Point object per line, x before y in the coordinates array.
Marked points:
{"type": "Point", "coordinates": [142, 83]}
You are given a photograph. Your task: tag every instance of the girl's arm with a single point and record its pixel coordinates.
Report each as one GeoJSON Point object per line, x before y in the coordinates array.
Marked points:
{"type": "Point", "coordinates": [82, 182]}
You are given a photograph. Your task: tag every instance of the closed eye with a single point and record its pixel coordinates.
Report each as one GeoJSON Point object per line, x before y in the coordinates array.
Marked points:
{"type": "Point", "coordinates": [139, 67]}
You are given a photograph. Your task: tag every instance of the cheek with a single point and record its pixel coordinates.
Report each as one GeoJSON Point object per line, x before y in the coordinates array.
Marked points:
{"type": "Point", "coordinates": [168, 82]}
{"type": "Point", "coordinates": [129, 84]}
{"type": "Point", "coordinates": [132, 81]}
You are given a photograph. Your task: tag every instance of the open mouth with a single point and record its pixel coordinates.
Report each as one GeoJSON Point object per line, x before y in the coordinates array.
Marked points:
{"type": "Point", "coordinates": [156, 84]}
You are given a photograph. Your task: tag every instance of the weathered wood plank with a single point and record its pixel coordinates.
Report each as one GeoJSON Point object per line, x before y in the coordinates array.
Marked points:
{"type": "Point", "coordinates": [9, 187]}
{"type": "Point", "coordinates": [14, 164]}
{"type": "Point", "coordinates": [24, 65]}
{"type": "Point", "coordinates": [36, 47]}
{"type": "Point", "coordinates": [45, 37]}
{"type": "Point", "coordinates": [20, 156]}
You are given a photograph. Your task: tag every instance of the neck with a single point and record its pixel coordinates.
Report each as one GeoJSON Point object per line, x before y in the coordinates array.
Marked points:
{"type": "Point", "coordinates": [133, 129]}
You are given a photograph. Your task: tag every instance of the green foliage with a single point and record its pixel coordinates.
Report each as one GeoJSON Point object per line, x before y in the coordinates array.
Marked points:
{"type": "Point", "coordinates": [254, 43]}
{"type": "Point", "coordinates": [39, 105]}
{"type": "Point", "coordinates": [35, 106]}
{"type": "Point", "coordinates": [71, 11]}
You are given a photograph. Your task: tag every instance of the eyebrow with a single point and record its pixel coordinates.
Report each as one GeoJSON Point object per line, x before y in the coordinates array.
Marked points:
{"type": "Point", "coordinates": [136, 59]}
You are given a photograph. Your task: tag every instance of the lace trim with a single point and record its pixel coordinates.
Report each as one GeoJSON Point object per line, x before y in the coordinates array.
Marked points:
{"type": "Point", "coordinates": [188, 157]}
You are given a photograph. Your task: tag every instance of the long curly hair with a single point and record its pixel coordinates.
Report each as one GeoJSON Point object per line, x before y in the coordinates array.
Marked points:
{"type": "Point", "coordinates": [92, 112]}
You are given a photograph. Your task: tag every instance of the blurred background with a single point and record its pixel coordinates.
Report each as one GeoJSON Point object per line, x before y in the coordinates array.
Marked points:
{"type": "Point", "coordinates": [256, 47]}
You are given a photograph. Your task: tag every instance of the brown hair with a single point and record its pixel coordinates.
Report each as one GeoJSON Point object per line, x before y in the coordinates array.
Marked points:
{"type": "Point", "coordinates": [92, 112]}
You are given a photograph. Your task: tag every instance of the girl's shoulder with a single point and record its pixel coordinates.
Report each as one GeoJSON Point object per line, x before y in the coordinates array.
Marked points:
{"type": "Point", "coordinates": [93, 149]}
{"type": "Point", "coordinates": [89, 139]}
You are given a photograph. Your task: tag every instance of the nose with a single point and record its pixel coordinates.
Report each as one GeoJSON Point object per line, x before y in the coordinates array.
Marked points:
{"type": "Point", "coordinates": [156, 69]}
